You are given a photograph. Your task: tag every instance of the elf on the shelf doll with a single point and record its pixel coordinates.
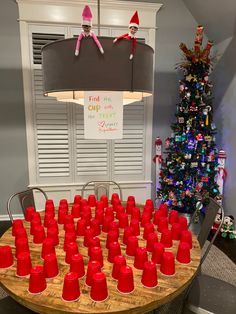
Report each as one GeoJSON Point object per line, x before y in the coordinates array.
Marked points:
{"type": "Point", "coordinates": [86, 32]}
{"type": "Point", "coordinates": [133, 28]}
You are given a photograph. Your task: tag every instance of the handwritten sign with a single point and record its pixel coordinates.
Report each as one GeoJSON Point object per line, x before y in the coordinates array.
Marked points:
{"type": "Point", "coordinates": [103, 115]}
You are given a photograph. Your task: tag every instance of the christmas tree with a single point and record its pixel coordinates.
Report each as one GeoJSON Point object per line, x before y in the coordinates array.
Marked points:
{"type": "Point", "coordinates": [190, 167]}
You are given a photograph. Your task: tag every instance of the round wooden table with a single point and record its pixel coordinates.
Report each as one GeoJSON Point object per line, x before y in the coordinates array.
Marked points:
{"type": "Point", "coordinates": [141, 300]}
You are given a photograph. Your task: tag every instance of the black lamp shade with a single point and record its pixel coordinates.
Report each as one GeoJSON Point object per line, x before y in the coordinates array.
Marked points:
{"type": "Point", "coordinates": [112, 71]}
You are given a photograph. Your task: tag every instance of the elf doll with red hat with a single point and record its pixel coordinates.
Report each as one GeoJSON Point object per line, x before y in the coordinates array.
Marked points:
{"type": "Point", "coordinates": [133, 28]}
{"type": "Point", "coordinates": [86, 32]}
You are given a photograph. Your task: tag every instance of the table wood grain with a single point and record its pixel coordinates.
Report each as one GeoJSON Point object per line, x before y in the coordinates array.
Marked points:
{"type": "Point", "coordinates": [141, 300]}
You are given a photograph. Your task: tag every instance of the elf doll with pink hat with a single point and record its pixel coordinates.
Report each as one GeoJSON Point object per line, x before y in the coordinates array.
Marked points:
{"type": "Point", "coordinates": [133, 28]}
{"type": "Point", "coordinates": [86, 32]}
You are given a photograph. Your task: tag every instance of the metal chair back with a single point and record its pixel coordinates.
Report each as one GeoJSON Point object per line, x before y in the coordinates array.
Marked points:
{"type": "Point", "coordinates": [101, 188]}
{"type": "Point", "coordinates": [26, 199]}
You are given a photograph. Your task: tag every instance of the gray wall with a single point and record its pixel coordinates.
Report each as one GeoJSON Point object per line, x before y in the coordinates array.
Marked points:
{"type": "Point", "coordinates": [13, 150]}
{"type": "Point", "coordinates": [176, 22]}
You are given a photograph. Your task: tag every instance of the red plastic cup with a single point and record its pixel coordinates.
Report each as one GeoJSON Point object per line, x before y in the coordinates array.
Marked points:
{"type": "Point", "coordinates": [125, 280]}
{"type": "Point", "coordinates": [106, 222]}
{"type": "Point", "coordinates": [132, 245]}
{"type": "Point", "coordinates": [53, 224]}
{"type": "Point", "coordinates": [93, 268]}
{"type": "Point", "coordinates": [81, 227]}
{"type": "Point", "coordinates": [95, 225]}
{"type": "Point", "coordinates": [18, 223]}
{"type": "Point", "coordinates": [119, 261]}
{"type": "Point", "coordinates": [99, 215]}
{"type": "Point", "coordinates": [39, 234]}
{"type": "Point", "coordinates": [50, 208]}
{"type": "Point", "coordinates": [87, 215]}
{"type": "Point", "coordinates": [37, 281]}
{"type": "Point", "coordinates": [20, 233]}
{"type": "Point", "coordinates": [63, 202]}
{"type": "Point", "coordinates": [158, 250]}
{"type": "Point", "coordinates": [77, 199]}
{"type": "Point", "coordinates": [123, 220]}
{"type": "Point", "coordinates": [95, 241]}
{"type": "Point", "coordinates": [173, 217]}
{"type": "Point", "coordinates": [70, 227]}
{"type": "Point", "coordinates": [53, 234]}
{"type": "Point", "coordinates": [99, 291]}
{"type": "Point", "coordinates": [24, 264]}
{"type": "Point", "coordinates": [112, 236]}
{"type": "Point", "coordinates": [71, 248]}
{"type": "Point", "coordinates": [149, 203]}
{"type": "Point", "coordinates": [6, 257]}
{"type": "Point", "coordinates": [34, 222]}
{"type": "Point", "coordinates": [167, 266]}
{"type": "Point", "coordinates": [29, 211]}
{"type": "Point", "coordinates": [47, 247]}
{"type": "Point", "coordinates": [176, 231]}
{"type": "Point", "coordinates": [109, 212]}
{"type": "Point", "coordinates": [114, 196]}
{"type": "Point", "coordinates": [131, 198]}
{"type": "Point", "coordinates": [49, 202]}
{"type": "Point", "coordinates": [186, 236]}
{"type": "Point", "coordinates": [77, 265]}
{"type": "Point", "coordinates": [114, 225]}
{"type": "Point", "coordinates": [134, 223]}
{"type": "Point", "coordinates": [164, 209]}
{"type": "Point", "coordinates": [75, 211]}
{"type": "Point", "coordinates": [62, 212]}
{"type": "Point", "coordinates": [22, 245]}
{"type": "Point", "coordinates": [129, 206]}
{"type": "Point", "coordinates": [157, 215]}
{"type": "Point", "coordinates": [114, 250]}
{"type": "Point", "coordinates": [104, 199]}
{"type": "Point", "coordinates": [83, 203]}
{"type": "Point", "coordinates": [183, 253]}
{"type": "Point", "coordinates": [151, 240]}
{"type": "Point", "coordinates": [50, 266]}
{"type": "Point", "coordinates": [47, 217]}
{"type": "Point", "coordinates": [163, 224]}
{"type": "Point", "coordinates": [87, 236]}
{"type": "Point", "coordinates": [36, 215]}
{"type": "Point", "coordinates": [116, 203]}
{"type": "Point", "coordinates": [149, 275]}
{"type": "Point", "coordinates": [146, 217]}
{"type": "Point", "coordinates": [69, 237]}
{"type": "Point", "coordinates": [96, 255]}
{"type": "Point", "coordinates": [166, 238]}
{"type": "Point", "coordinates": [183, 222]}
{"type": "Point", "coordinates": [92, 200]}
{"type": "Point", "coordinates": [100, 206]}
{"type": "Point", "coordinates": [140, 257]}
{"type": "Point", "coordinates": [128, 231]}
{"type": "Point", "coordinates": [148, 228]}
{"type": "Point", "coordinates": [136, 214]}
{"type": "Point", "coordinates": [68, 219]}
{"type": "Point", "coordinates": [71, 288]}
{"type": "Point", "coordinates": [120, 209]}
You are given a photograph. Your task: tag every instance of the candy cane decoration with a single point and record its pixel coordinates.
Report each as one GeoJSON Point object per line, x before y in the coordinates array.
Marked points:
{"type": "Point", "coordinates": [158, 160]}
{"type": "Point", "coordinates": [221, 171]}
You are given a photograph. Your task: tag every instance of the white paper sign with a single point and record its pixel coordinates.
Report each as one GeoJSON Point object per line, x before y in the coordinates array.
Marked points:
{"type": "Point", "coordinates": [103, 115]}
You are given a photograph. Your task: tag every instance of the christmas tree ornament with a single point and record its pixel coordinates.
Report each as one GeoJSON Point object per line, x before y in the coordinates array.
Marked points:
{"type": "Point", "coordinates": [131, 35]}
{"type": "Point", "coordinates": [87, 32]}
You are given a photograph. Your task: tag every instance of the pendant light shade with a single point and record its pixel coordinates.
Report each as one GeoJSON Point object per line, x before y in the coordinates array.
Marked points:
{"type": "Point", "coordinates": [67, 76]}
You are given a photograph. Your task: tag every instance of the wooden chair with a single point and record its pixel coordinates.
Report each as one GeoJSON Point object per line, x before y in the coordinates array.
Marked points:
{"type": "Point", "coordinates": [25, 198]}
{"type": "Point", "coordinates": [101, 188]}
{"type": "Point", "coordinates": [207, 294]}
